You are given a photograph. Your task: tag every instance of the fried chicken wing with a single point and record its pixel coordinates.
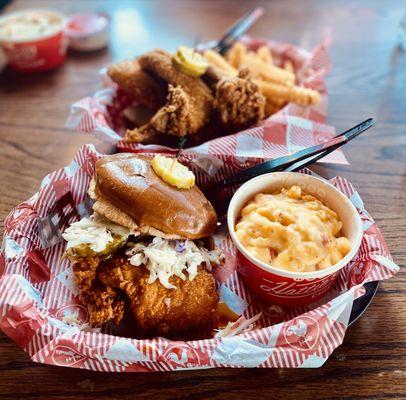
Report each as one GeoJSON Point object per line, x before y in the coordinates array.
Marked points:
{"type": "Point", "coordinates": [102, 302]}
{"type": "Point", "coordinates": [239, 101]}
{"type": "Point", "coordinates": [148, 90]}
{"type": "Point", "coordinates": [175, 118]}
{"type": "Point", "coordinates": [146, 134]}
{"type": "Point", "coordinates": [161, 311]}
{"type": "Point", "coordinates": [189, 102]}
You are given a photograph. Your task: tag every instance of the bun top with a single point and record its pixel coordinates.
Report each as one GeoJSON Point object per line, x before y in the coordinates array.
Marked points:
{"type": "Point", "coordinates": [129, 183]}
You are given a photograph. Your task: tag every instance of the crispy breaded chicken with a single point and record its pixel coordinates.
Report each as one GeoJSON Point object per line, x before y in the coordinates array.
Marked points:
{"type": "Point", "coordinates": [239, 101]}
{"type": "Point", "coordinates": [146, 89]}
{"type": "Point", "coordinates": [175, 118]}
{"type": "Point", "coordinates": [161, 311]}
{"type": "Point", "coordinates": [102, 302]}
{"type": "Point", "coordinates": [189, 92]}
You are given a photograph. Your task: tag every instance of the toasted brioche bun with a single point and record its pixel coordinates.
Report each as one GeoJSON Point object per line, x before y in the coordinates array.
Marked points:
{"type": "Point", "coordinates": [127, 191]}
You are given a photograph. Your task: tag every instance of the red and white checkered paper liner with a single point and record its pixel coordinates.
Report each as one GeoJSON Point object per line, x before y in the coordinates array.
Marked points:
{"type": "Point", "coordinates": [37, 292]}
{"type": "Point", "coordinates": [292, 128]}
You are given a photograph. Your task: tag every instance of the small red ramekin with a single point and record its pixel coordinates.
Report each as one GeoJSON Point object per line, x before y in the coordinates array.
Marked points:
{"type": "Point", "coordinates": [285, 287]}
{"type": "Point", "coordinates": [37, 54]}
{"type": "Point", "coordinates": [88, 31]}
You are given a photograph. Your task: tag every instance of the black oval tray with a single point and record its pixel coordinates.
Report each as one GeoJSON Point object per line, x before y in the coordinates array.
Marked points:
{"type": "Point", "coordinates": [362, 303]}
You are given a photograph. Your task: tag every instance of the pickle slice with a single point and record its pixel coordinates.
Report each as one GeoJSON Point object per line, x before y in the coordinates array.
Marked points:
{"type": "Point", "coordinates": [173, 172]}
{"type": "Point", "coordinates": [190, 62]}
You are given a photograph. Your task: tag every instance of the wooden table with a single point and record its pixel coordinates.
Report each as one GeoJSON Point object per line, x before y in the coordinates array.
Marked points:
{"type": "Point", "coordinates": [368, 79]}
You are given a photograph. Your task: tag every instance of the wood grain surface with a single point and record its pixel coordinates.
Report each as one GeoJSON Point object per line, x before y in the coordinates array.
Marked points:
{"type": "Point", "coordinates": [368, 79]}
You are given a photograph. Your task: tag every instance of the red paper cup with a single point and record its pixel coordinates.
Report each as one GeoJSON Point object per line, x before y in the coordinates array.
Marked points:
{"type": "Point", "coordinates": [284, 287]}
{"type": "Point", "coordinates": [34, 51]}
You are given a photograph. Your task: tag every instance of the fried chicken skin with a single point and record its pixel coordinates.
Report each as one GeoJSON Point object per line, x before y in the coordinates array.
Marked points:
{"type": "Point", "coordinates": [160, 311]}
{"type": "Point", "coordinates": [146, 89]}
{"type": "Point", "coordinates": [102, 302]}
{"type": "Point", "coordinates": [189, 102]}
{"type": "Point", "coordinates": [239, 101]}
{"type": "Point", "coordinates": [175, 118]}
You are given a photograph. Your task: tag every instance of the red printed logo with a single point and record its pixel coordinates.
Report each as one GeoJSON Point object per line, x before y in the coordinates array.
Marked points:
{"type": "Point", "coordinates": [181, 356]}
{"type": "Point", "coordinates": [298, 288]}
{"type": "Point", "coordinates": [22, 54]}
{"type": "Point", "coordinates": [66, 356]}
{"type": "Point", "coordinates": [273, 311]}
{"type": "Point", "coordinates": [301, 333]}
{"type": "Point", "coordinates": [18, 216]}
{"type": "Point", "coordinates": [72, 313]}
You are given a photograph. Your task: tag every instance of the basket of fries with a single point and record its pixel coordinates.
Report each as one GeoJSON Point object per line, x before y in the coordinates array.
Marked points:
{"type": "Point", "coordinates": [262, 98]}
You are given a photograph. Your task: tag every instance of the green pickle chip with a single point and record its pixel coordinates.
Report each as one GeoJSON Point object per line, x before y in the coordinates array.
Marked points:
{"type": "Point", "coordinates": [85, 250]}
{"type": "Point", "coordinates": [190, 62]}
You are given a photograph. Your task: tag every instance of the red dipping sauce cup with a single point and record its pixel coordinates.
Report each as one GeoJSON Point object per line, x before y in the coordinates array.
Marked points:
{"type": "Point", "coordinates": [33, 40]}
{"type": "Point", "coordinates": [285, 287]}
{"type": "Point", "coordinates": [87, 32]}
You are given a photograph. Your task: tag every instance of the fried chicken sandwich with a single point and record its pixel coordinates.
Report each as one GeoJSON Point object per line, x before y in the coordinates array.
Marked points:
{"type": "Point", "coordinates": [148, 247]}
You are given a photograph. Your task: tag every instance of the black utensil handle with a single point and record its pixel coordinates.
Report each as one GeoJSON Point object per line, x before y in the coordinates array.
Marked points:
{"type": "Point", "coordinates": [358, 129]}
{"type": "Point", "coordinates": [350, 134]}
{"type": "Point", "coordinates": [238, 29]}
{"type": "Point", "coordinates": [311, 153]}
{"type": "Point", "coordinates": [279, 164]}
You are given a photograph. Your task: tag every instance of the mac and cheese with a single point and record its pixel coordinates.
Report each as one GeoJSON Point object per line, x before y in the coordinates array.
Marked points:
{"type": "Point", "coordinates": [292, 230]}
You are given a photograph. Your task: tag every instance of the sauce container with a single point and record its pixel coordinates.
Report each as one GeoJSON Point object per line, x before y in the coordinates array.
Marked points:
{"type": "Point", "coordinates": [87, 32]}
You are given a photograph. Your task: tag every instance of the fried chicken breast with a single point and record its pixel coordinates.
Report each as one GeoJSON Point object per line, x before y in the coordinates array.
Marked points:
{"type": "Point", "coordinates": [158, 310]}
{"type": "Point", "coordinates": [174, 118]}
{"type": "Point", "coordinates": [102, 302]}
{"type": "Point", "coordinates": [189, 102]}
{"type": "Point", "coordinates": [143, 87]}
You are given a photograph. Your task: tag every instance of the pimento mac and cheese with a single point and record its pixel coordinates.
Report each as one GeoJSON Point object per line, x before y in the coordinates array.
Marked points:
{"type": "Point", "coordinates": [30, 25]}
{"type": "Point", "coordinates": [292, 230]}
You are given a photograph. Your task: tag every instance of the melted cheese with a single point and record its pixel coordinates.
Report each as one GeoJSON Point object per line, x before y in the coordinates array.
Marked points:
{"type": "Point", "coordinates": [292, 230]}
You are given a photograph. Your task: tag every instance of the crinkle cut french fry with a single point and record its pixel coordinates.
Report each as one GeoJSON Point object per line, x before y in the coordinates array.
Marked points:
{"type": "Point", "coordinates": [220, 62]}
{"type": "Point", "coordinates": [304, 96]}
{"type": "Point", "coordinates": [268, 72]}
{"type": "Point", "coordinates": [272, 108]}
{"type": "Point", "coordinates": [278, 101]}
{"type": "Point", "coordinates": [288, 66]}
{"type": "Point", "coordinates": [275, 92]}
{"type": "Point", "coordinates": [264, 54]}
{"type": "Point", "coordinates": [235, 55]}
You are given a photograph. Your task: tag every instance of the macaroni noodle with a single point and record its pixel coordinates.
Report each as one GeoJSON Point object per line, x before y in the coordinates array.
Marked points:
{"type": "Point", "coordinates": [292, 230]}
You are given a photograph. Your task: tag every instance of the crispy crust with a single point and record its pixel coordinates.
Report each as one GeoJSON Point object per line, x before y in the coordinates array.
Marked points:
{"type": "Point", "coordinates": [102, 302]}
{"type": "Point", "coordinates": [239, 101]}
{"type": "Point", "coordinates": [160, 311]}
{"type": "Point", "coordinates": [143, 87]}
{"type": "Point", "coordinates": [189, 102]}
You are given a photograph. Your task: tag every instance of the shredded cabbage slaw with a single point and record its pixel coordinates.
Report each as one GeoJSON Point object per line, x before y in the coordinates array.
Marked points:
{"type": "Point", "coordinates": [95, 232]}
{"type": "Point", "coordinates": [166, 258]}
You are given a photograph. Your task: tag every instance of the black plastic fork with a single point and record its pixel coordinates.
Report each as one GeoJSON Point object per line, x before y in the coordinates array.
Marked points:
{"type": "Point", "coordinates": [291, 162]}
